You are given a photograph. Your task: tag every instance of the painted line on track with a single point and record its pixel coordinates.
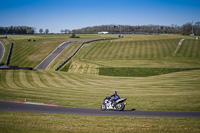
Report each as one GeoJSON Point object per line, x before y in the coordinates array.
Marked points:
{"type": "Point", "coordinates": [22, 102]}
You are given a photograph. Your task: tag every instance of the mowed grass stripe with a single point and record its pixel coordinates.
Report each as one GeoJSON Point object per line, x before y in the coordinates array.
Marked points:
{"type": "Point", "coordinates": [30, 79]}
{"type": "Point", "coordinates": [135, 50]}
{"type": "Point", "coordinates": [117, 49]}
{"type": "Point", "coordinates": [184, 49]}
{"type": "Point", "coordinates": [146, 51]}
{"type": "Point", "coordinates": [120, 50]}
{"type": "Point", "coordinates": [107, 53]}
{"type": "Point", "coordinates": [59, 80]}
{"type": "Point", "coordinates": [102, 48]}
{"type": "Point", "coordinates": [24, 80]}
{"type": "Point", "coordinates": [65, 80]}
{"type": "Point", "coordinates": [94, 50]}
{"type": "Point", "coordinates": [153, 52]}
{"type": "Point", "coordinates": [37, 80]}
{"type": "Point", "coordinates": [131, 50]}
{"type": "Point", "coordinates": [126, 51]}
{"type": "Point", "coordinates": [168, 48]}
{"type": "Point", "coordinates": [3, 78]}
{"type": "Point", "coordinates": [16, 79]}
{"type": "Point", "coordinates": [79, 81]}
{"type": "Point", "coordinates": [114, 52]}
{"type": "Point", "coordinates": [73, 80]}
{"type": "Point", "coordinates": [158, 50]}
{"type": "Point", "coordinates": [10, 79]}
{"type": "Point", "coordinates": [198, 50]}
{"type": "Point", "coordinates": [51, 80]}
{"type": "Point", "coordinates": [162, 48]}
{"type": "Point", "coordinates": [189, 49]}
{"type": "Point", "coordinates": [193, 49]}
{"type": "Point", "coordinates": [20, 50]}
{"type": "Point", "coordinates": [150, 49]}
{"type": "Point", "coordinates": [46, 79]}
{"type": "Point", "coordinates": [101, 52]}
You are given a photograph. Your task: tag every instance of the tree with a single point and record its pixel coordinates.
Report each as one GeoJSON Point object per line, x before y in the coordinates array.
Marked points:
{"type": "Point", "coordinates": [62, 31]}
{"type": "Point", "coordinates": [186, 29]}
{"type": "Point", "coordinates": [197, 28]}
{"type": "Point", "coordinates": [41, 31]}
{"type": "Point", "coordinates": [67, 31]}
{"type": "Point", "coordinates": [46, 31]}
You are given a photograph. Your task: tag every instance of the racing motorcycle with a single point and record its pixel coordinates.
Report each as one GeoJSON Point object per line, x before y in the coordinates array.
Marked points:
{"type": "Point", "coordinates": [116, 105]}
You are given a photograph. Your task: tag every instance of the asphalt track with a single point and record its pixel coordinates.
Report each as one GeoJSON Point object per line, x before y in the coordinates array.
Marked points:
{"type": "Point", "coordinates": [2, 50]}
{"type": "Point", "coordinates": [47, 61]}
{"type": "Point", "coordinates": [28, 107]}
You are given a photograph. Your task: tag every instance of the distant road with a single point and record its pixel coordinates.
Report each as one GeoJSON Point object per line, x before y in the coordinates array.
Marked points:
{"type": "Point", "coordinates": [2, 50]}
{"type": "Point", "coordinates": [47, 61]}
{"type": "Point", "coordinates": [28, 107]}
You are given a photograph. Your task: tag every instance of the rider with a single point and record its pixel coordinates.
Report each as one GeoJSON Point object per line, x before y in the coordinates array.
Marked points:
{"type": "Point", "coordinates": [116, 97]}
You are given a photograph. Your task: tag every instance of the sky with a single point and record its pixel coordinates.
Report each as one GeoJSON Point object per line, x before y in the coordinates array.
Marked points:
{"type": "Point", "coordinates": [56, 15]}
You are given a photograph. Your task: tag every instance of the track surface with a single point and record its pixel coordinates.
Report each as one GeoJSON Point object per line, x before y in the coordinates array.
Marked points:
{"type": "Point", "coordinates": [47, 61]}
{"type": "Point", "coordinates": [26, 107]}
{"type": "Point", "coordinates": [2, 50]}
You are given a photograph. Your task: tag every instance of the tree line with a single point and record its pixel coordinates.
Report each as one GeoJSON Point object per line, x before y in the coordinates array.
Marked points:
{"type": "Point", "coordinates": [186, 29]}
{"type": "Point", "coordinates": [17, 30]}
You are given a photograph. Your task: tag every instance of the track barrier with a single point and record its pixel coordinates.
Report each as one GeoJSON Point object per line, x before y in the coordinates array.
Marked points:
{"type": "Point", "coordinates": [9, 54]}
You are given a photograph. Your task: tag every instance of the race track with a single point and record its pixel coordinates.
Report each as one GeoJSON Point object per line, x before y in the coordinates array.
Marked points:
{"type": "Point", "coordinates": [28, 107]}
{"type": "Point", "coordinates": [47, 61]}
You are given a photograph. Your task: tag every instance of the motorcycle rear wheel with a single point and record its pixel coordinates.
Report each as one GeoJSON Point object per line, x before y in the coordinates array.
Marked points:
{"type": "Point", "coordinates": [120, 106]}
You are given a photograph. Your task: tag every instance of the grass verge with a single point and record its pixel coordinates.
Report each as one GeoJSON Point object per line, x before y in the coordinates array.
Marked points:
{"type": "Point", "coordinates": [35, 122]}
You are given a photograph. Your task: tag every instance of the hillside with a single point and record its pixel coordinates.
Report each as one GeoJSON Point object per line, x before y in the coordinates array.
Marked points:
{"type": "Point", "coordinates": [176, 91]}
{"type": "Point", "coordinates": [82, 86]}
{"type": "Point", "coordinates": [137, 52]}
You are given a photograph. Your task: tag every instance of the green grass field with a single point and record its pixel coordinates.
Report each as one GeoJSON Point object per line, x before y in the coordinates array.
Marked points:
{"type": "Point", "coordinates": [30, 54]}
{"type": "Point", "coordinates": [170, 92]}
{"type": "Point", "coordinates": [150, 52]}
{"type": "Point", "coordinates": [53, 123]}
{"type": "Point", "coordinates": [83, 87]}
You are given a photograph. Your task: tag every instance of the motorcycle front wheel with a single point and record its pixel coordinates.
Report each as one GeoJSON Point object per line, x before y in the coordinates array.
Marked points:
{"type": "Point", "coordinates": [103, 107]}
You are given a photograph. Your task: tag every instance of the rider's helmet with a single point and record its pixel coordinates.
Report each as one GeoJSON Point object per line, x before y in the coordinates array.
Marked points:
{"type": "Point", "coordinates": [115, 92]}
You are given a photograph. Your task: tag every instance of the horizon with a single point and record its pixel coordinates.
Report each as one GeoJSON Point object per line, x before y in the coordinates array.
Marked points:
{"type": "Point", "coordinates": [69, 14]}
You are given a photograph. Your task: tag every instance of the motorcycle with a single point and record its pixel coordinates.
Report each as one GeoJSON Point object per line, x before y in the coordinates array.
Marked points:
{"type": "Point", "coordinates": [116, 105]}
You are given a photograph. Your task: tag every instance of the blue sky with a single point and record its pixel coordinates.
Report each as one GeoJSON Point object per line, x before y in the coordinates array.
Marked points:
{"type": "Point", "coordinates": [73, 14]}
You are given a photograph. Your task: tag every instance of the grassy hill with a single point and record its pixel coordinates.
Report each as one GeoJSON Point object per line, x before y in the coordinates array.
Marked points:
{"type": "Point", "coordinates": [83, 87]}
{"type": "Point", "coordinates": [30, 54]}
{"type": "Point", "coordinates": [131, 53]}
{"type": "Point", "coordinates": [177, 91]}
{"type": "Point", "coordinates": [153, 54]}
